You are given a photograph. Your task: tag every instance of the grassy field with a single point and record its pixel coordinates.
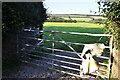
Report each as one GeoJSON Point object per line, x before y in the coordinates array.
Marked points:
{"type": "Point", "coordinates": [75, 27]}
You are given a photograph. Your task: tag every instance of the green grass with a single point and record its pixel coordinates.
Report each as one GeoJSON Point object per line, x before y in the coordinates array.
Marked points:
{"type": "Point", "coordinates": [78, 25]}
{"type": "Point", "coordinates": [75, 27]}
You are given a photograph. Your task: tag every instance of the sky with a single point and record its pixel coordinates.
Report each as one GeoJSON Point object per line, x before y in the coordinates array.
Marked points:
{"type": "Point", "coordinates": [71, 6]}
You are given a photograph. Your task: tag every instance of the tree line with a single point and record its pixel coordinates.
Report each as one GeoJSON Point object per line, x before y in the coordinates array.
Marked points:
{"type": "Point", "coordinates": [60, 19]}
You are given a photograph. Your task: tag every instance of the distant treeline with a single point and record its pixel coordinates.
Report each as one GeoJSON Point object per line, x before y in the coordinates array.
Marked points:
{"type": "Point", "coordinates": [60, 19]}
{"type": "Point", "coordinates": [97, 21]}
{"type": "Point", "coordinates": [54, 20]}
{"type": "Point", "coordinates": [71, 18]}
{"type": "Point", "coordinates": [75, 14]}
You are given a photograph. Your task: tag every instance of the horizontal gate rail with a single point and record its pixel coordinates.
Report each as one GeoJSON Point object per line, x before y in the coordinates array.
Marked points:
{"type": "Point", "coordinates": [104, 57]}
{"type": "Point", "coordinates": [56, 65]}
{"type": "Point", "coordinates": [72, 52]}
{"type": "Point", "coordinates": [53, 69]}
{"type": "Point", "coordinates": [38, 46]}
{"type": "Point", "coordinates": [89, 34]}
{"type": "Point", "coordinates": [58, 55]}
{"type": "Point", "coordinates": [104, 70]}
{"type": "Point", "coordinates": [63, 66]}
{"type": "Point", "coordinates": [62, 61]}
{"type": "Point", "coordinates": [67, 67]}
{"type": "Point", "coordinates": [103, 76]}
{"type": "Point", "coordinates": [69, 52]}
{"type": "Point", "coordinates": [60, 70]}
{"type": "Point", "coordinates": [59, 50]}
{"type": "Point", "coordinates": [52, 40]}
{"type": "Point", "coordinates": [62, 51]}
{"type": "Point", "coordinates": [103, 64]}
{"type": "Point", "coordinates": [57, 41]}
{"type": "Point", "coordinates": [54, 59]}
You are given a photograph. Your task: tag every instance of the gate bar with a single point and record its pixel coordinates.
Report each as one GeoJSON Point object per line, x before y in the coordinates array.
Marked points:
{"type": "Point", "coordinates": [56, 65]}
{"type": "Point", "coordinates": [89, 34]}
{"type": "Point", "coordinates": [63, 51]}
{"type": "Point", "coordinates": [53, 69]}
{"type": "Point", "coordinates": [103, 64]}
{"type": "Point", "coordinates": [70, 52]}
{"type": "Point", "coordinates": [59, 55]}
{"type": "Point", "coordinates": [60, 70]}
{"type": "Point", "coordinates": [62, 61]}
{"type": "Point", "coordinates": [58, 41]}
{"type": "Point", "coordinates": [55, 60]}
{"type": "Point", "coordinates": [59, 50]}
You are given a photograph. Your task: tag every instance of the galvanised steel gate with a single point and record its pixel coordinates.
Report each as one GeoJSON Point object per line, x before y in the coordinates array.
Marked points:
{"type": "Point", "coordinates": [67, 59]}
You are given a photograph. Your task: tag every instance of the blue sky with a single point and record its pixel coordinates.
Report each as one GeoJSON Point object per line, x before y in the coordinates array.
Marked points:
{"type": "Point", "coordinates": [71, 6]}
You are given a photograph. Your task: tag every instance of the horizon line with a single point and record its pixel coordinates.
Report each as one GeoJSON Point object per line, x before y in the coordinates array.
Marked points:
{"type": "Point", "coordinates": [74, 14]}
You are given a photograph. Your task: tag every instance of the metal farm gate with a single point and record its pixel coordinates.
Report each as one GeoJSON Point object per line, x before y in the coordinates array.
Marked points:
{"type": "Point", "coordinates": [53, 52]}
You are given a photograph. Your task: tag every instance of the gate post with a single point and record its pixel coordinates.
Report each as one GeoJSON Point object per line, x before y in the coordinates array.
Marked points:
{"type": "Point", "coordinates": [111, 55]}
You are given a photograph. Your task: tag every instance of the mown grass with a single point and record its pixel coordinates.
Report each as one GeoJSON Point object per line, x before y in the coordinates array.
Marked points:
{"type": "Point", "coordinates": [75, 27]}
{"type": "Point", "coordinates": [78, 25]}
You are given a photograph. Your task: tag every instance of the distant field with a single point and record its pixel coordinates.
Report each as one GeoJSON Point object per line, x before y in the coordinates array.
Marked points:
{"type": "Point", "coordinates": [67, 15]}
{"type": "Point", "coordinates": [97, 17]}
{"type": "Point", "coordinates": [76, 27]}
{"type": "Point", "coordinates": [77, 17]}
{"type": "Point", "coordinates": [80, 19]}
